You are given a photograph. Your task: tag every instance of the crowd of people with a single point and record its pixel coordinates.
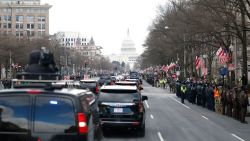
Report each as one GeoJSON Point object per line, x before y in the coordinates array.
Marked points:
{"type": "Point", "coordinates": [228, 100]}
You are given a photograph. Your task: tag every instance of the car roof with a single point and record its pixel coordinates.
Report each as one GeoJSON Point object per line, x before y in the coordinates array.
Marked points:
{"type": "Point", "coordinates": [64, 91]}
{"type": "Point", "coordinates": [125, 82]}
{"type": "Point", "coordinates": [130, 79]}
{"type": "Point", "coordinates": [118, 87]}
{"type": "Point", "coordinates": [88, 80]}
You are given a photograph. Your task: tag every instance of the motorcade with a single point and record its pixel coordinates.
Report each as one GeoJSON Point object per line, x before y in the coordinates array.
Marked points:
{"type": "Point", "coordinates": [42, 112]}
{"type": "Point", "coordinates": [122, 107]}
{"type": "Point", "coordinates": [90, 84]}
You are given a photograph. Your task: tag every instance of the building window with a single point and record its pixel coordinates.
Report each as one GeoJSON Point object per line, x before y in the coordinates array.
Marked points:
{"type": "Point", "coordinates": [19, 33]}
{"type": "Point", "coordinates": [19, 10]}
{"type": "Point", "coordinates": [30, 26]}
{"type": "Point", "coordinates": [6, 25]}
{"type": "Point", "coordinates": [71, 39]}
{"type": "Point", "coordinates": [19, 26]}
{"type": "Point", "coordinates": [41, 18]}
{"type": "Point", "coordinates": [30, 18]}
{"type": "Point", "coordinates": [19, 18]}
{"type": "Point", "coordinates": [30, 33]}
{"type": "Point", "coordinates": [41, 33]}
{"type": "Point", "coordinates": [0, 18]}
{"type": "Point", "coordinates": [6, 18]}
{"type": "Point", "coordinates": [41, 26]}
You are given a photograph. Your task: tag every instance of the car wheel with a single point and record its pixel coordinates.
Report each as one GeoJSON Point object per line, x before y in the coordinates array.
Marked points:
{"type": "Point", "coordinates": [141, 131]}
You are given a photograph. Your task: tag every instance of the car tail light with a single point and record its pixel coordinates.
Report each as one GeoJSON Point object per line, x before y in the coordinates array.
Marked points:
{"type": "Point", "coordinates": [82, 123]}
{"type": "Point", "coordinates": [34, 92]}
{"type": "Point", "coordinates": [140, 107]}
{"type": "Point", "coordinates": [97, 89]}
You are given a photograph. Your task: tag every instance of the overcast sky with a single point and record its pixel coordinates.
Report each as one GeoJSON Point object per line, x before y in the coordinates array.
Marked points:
{"type": "Point", "coordinates": [106, 20]}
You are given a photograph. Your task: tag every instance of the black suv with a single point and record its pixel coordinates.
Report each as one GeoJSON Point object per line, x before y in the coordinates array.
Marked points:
{"type": "Point", "coordinates": [43, 113]}
{"type": "Point", "coordinates": [104, 79]}
{"type": "Point", "coordinates": [122, 106]}
{"type": "Point", "coordinates": [92, 85]}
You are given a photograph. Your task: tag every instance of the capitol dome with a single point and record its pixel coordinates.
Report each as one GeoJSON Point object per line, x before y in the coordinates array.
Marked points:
{"type": "Point", "coordinates": [128, 46]}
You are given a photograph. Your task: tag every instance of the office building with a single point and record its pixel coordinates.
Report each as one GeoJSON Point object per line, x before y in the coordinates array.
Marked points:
{"type": "Point", "coordinates": [24, 18]}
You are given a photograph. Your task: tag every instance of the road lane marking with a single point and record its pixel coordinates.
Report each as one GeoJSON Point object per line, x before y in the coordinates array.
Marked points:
{"type": "Point", "coordinates": [160, 136]}
{"type": "Point", "coordinates": [147, 104]}
{"type": "Point", "coordinates": [152, 116]}
{"type": "Point", "coordinates": [181, 103]}
{"type": "Point", "coordinates": [205, 117]}
{"type": "Point", "coordinates": [238, 137]}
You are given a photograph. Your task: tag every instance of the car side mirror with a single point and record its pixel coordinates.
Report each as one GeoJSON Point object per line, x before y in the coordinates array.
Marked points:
{"type": "Point", "coordinates": [144, 98]}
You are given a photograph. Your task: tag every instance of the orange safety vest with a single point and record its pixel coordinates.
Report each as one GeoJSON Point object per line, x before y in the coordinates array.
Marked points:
{"type": "Point", "coordinates": [216, 92]}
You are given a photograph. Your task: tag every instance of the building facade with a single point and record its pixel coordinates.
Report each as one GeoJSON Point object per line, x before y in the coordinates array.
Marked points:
{"type": "Point", "coordinates": [76, 41]}
{"type": "Point", "coordinates": [24, 18]}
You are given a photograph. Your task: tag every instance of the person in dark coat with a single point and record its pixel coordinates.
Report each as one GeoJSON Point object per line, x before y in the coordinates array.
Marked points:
{"type": "Point", "coordinates": [244, 80]}
{"type": "Point", "coordinates": [243, 100]}
{"type": "Point", "coordinates": [41, 61]}
{"type": "Point", "coordinates": [229, 98]}
{"type": "Point", "coordinates": [236, 104]}
{"type": "Point", "coordinates": [203, 96]}
{"type": "Point", "coordinates": [224, 99]}
{"type": "Point", "coordinates": [193, 93]}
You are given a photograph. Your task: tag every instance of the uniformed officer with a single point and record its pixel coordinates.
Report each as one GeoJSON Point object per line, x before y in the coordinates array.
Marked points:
{"type": "Point", "coordinates": [243, 100]}
{"type": "Point", "coordinates": [224, 99]}
{"type": "Point", "coordinates": [229, 98]}
{"type": "Point", "coordinates": [236, 104]}
{"type": "Point", "coordinates": [183, 92]}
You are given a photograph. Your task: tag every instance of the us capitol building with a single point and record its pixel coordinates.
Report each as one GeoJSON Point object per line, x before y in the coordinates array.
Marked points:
{"type": "Point", "coordinates": [128, 53]}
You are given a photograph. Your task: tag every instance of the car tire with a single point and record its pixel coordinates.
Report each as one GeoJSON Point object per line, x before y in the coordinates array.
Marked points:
{"type": "Point", "coordinates": [141, 131]}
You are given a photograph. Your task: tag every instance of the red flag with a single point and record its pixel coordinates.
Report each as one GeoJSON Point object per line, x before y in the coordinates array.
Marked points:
{"type": "Point", "coordinates": [171, 65]}
{"type": "Point", "coordinates": [224, 59]}
{"type": "Point", "coordinates": [165, 68]}
{"type": "Point", "coordinates": [197, 62]}
{"type": "Point", "coordinates": [220, 52]}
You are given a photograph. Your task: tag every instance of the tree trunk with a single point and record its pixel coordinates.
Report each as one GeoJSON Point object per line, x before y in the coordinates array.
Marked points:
{"type": "Point", "coordinates": [244, 43]}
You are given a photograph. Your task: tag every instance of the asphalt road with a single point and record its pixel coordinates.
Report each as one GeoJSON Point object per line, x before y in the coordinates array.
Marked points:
{"type": "Point", "coordinates": [169, 120]}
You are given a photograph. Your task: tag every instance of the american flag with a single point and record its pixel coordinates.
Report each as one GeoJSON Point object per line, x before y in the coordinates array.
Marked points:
{"type": "Point", "coordinates": [197, 62]}
{"type": "Point", "coordinates": [220, 52]}
{"type": "Point", "coordinates": [165, 68]}
{"type": "Point", "coordinates": [224, 59]}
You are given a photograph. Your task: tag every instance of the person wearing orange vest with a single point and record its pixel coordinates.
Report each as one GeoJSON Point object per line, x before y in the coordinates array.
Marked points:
{"type": "Point", "coordinates": [216, 92]}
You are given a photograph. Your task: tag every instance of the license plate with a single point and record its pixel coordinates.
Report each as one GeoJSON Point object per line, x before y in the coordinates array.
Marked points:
{"type": "Point", "coordinates": [118, 110]}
